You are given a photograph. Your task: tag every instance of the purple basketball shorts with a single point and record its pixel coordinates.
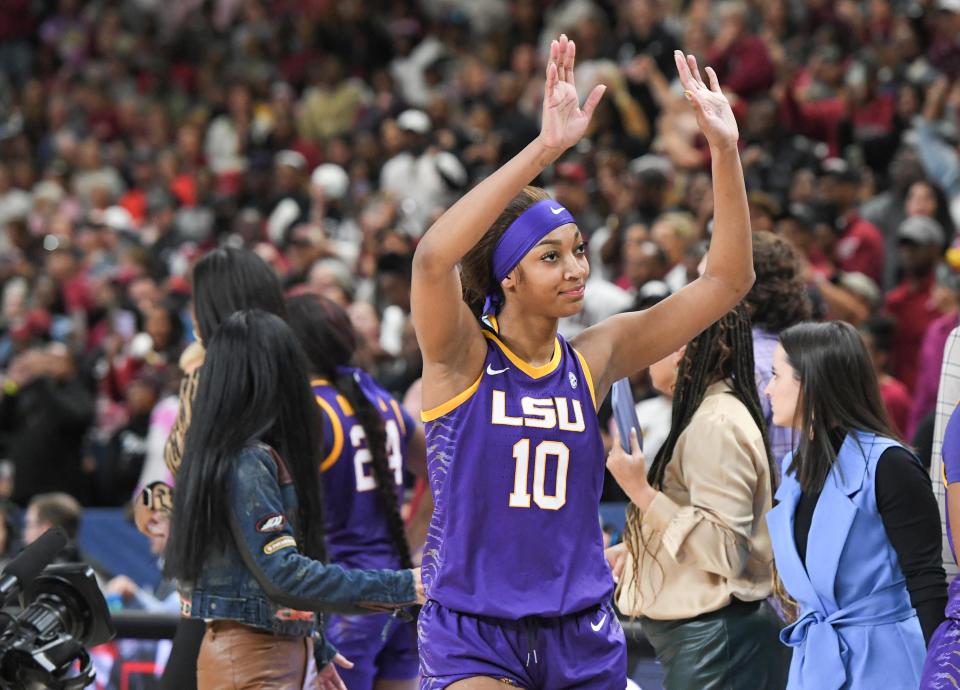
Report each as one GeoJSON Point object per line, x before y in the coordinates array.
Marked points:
{"type": "Point", "coordinates": [584, 650]}
{"type": "Point", "coordinates": [360, 639]}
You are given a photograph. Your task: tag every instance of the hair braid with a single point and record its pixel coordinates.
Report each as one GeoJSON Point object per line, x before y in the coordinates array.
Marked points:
{"type": "Point", "coordinates": [328, 338]}
{"type": "Point", "coordinates": [370, 419]}
{"type": "Point", "coordinates": [724, 351]}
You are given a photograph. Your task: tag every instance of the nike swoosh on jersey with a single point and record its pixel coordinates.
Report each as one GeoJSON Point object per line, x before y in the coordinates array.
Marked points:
{"type": "Point", "coordinates": [556, 211]}
{"type": "Point", "coordinates": [596, 627]}
{"type": "Point", "coordinates": [493, 372]}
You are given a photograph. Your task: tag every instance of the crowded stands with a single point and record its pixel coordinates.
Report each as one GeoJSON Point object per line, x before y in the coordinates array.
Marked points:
{"type": "Point", "coordinates": [328, 135]}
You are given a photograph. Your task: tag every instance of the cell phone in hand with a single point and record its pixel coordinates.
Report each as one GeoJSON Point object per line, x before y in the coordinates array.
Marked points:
{"type": "Point", "coordinates": [625, 412]}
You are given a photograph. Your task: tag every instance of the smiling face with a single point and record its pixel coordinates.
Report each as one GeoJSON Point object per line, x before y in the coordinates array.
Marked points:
{"type": "Point", "coordinates": [783, 390]}
{"type": "Point", "coordinates": [550, 279]}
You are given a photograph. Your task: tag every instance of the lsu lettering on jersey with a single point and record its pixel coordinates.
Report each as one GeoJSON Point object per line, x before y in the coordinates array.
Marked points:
{"type": "Point", "coordinates": [516, 466]}
{"type": "Point", "coordinates": [356, 524]}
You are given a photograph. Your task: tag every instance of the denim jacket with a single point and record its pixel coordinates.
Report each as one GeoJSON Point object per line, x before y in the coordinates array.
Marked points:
{"type": "Point", "coordinates": [261, 578]}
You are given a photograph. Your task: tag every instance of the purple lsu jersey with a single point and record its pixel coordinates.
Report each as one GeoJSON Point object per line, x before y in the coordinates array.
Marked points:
{"type": "Point", "coordinates": [516, 466]}
{"type": "Point", "coordinates": [356, 524]}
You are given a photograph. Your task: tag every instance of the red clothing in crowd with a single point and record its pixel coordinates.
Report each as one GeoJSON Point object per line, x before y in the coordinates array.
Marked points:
{"type": "Point", "coordinates": [184, 187]}
{"type": "Point", "coordinates": [944, 54]}
{"type": "Point", "coordinates": [135, 202]}
{"type": "Point", "coordinates": [875, 117]}
{"type": "Point", "coordinates": [896, 398]}
{"type": "Point", "coordinates": [861, 249]}
{"type": "Point", "coordinates": [818, 120]}
{"type": "Point", "coordinates": [77, 293]}
{"type": "Point", "coordinates": [745, 66]}
{"type": "Point", "coordinates": [910, 303]}
{"type": "Point", "coordinates": [16, 20]}
{"type": "Point", "coordinates": [822, 119]}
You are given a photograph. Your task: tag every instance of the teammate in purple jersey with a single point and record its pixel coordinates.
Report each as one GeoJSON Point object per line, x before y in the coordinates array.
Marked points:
{"type": "Point", "coordinates": [368, 441]}
{"type": "Point", "coordinates": [514, 570]}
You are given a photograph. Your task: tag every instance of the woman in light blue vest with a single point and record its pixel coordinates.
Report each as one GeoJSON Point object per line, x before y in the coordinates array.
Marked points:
{"type": "Point", "coordinates": [856, 531]}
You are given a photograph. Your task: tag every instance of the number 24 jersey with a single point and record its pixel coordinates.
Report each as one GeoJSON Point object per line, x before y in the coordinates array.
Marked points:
{"type": "Point", "coordinates": [355, 522]}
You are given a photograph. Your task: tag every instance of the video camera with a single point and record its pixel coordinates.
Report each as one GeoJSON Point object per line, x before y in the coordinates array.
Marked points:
{"type": "Point", "coordinates": [43, 640]}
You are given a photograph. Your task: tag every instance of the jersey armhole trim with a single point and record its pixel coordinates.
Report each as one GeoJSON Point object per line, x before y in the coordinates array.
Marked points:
{"type": "Point", "coordinates": [586, 372]}
{"type": "Point", "coordinates": [396, 412]}
{"type": "Point", "coordinates": [335, 451]}
{"type": "Point", "coordinates": [452, 404]}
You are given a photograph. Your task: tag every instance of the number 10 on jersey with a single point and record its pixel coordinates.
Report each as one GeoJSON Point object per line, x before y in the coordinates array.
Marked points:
{"type": "Point", "coordinates": [544, 452]}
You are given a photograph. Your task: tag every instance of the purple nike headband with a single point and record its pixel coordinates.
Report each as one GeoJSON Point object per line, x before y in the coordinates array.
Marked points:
{"type": "Point", "coordinates": [520, 237]}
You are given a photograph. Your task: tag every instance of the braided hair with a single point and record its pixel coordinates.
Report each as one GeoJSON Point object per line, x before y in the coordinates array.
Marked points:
{"type": "Point", "coordinates": [724, 351]}
{"type": "Point", "coordinates": [327, 336]}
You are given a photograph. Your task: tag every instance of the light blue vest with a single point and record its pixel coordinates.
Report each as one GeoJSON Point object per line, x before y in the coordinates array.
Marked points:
{"type": "Point", "coordinates": [857, 628]}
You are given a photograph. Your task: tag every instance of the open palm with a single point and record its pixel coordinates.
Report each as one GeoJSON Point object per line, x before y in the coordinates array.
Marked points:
{"type": "Point", "coordinates": [564, 122]}
{"type": "Point", "coordinates": [713, 111]}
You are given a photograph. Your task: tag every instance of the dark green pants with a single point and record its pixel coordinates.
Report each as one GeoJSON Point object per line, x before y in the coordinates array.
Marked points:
{"type": "Point", "coordinates": [735, 648]}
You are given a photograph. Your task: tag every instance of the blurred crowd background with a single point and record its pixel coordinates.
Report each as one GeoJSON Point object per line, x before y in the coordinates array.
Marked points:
{"type": "Point", "coordinates": [326, 135]}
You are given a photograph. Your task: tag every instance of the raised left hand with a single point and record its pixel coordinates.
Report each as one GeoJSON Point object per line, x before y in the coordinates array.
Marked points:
{"type": "Point", "coordinates": [564, 122]}
{"type": "Point", "coordinates": [714, 115]}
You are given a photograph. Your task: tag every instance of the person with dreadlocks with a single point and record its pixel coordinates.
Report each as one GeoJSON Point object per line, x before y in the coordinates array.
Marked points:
{"type": "Point", "coordinates": [518, 586]}
{"type": "Point", "coordinates": [696, 564]}
{"type": "Point", "coordinates": [368, 440]}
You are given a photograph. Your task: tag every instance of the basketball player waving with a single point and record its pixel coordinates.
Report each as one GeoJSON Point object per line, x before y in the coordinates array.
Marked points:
{"type": "Point", "coordinates": [514, 571]}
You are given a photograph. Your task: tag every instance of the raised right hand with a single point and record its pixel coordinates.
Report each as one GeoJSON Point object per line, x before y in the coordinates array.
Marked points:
{"type": "Point", "coordinates": [713, 111]}
{"type": "Point", "coordinates": [564, 122]}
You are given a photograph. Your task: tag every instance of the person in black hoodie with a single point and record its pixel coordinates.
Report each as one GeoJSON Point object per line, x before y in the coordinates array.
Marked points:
{"type": "Point", "coordinates": [45, 411]}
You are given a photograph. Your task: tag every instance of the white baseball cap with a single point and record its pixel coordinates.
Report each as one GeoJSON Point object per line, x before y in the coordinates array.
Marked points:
{"type": "Point", "coordinates": [415, 121]}
{"type": "Point", "coordinates": [332, 179]}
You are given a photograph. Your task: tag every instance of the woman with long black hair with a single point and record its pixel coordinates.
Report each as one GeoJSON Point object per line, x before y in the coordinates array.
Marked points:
{"type": "Point", "coordinates": [368, 441]}
{"type": "Point", "coordinates": [246, 542]}
{"type": "Point", "coordinates": [225, 280]}
{"type": "Point", "coordinates": [856, 531]}
{"type": "Point", "coordinates": [697, 562]}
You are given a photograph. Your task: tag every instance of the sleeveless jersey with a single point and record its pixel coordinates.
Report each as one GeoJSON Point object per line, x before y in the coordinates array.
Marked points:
{"type": "Point", "coordinates": [356, 524]}
{"type": "Point", "coordinates": [516, 466]}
